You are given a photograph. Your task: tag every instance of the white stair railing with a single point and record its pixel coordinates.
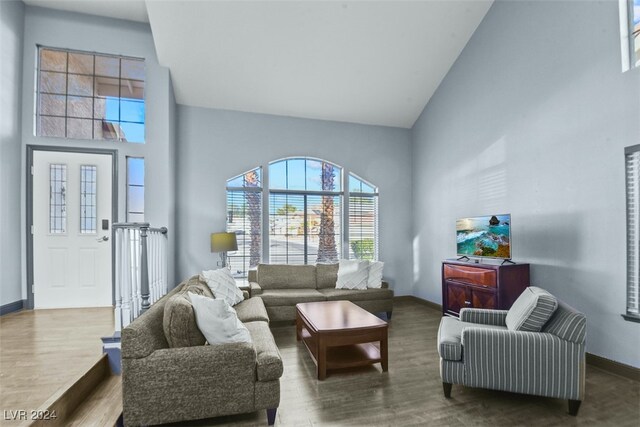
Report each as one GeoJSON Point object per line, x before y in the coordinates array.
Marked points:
{"type": "Point", "coordinates": [141, 269]}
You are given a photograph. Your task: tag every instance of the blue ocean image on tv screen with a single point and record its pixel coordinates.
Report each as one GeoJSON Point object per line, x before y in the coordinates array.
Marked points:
{"type": "Point", "coordinates": [484, 236]}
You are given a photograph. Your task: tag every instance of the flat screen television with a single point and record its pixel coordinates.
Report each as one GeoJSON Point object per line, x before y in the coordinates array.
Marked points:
{"type": "Point", "coordinates": [484, 236]}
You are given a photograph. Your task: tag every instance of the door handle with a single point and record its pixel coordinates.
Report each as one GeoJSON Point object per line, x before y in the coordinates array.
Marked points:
{"type": "Point", "coordinates": [102, 239]}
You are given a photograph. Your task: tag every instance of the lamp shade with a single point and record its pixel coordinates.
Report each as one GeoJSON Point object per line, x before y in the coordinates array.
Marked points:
{"type": "Point", "coordinates": [223, 242]}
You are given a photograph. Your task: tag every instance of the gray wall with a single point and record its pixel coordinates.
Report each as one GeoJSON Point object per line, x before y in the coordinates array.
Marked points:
{"type": "Point", "coordinates": [90, 33]}
{"type": "Point", "coordinates": [532, 120]}
{"type": "Point", "coordinates": [11, 38]}
{"type": "Point", "coordinates": [172, 121]}
{"type": "Point", "coordinates": [217, 145]}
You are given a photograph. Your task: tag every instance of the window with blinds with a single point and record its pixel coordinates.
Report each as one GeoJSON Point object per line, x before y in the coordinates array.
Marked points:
{"type": "Point", "coordinates": [305, 211]}
{"type": "Point", "coordinates": [632, 160]}
{"type": "Point", "coordinates": [363, 219]}
{"type": "Point", "coordinates": [244, 218]}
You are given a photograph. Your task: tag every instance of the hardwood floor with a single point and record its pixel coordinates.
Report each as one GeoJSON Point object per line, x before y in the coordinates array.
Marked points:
{"type": "Point", "coordinates": [43, 350]}
{"type": "Point", "coordinates": [411, 392]}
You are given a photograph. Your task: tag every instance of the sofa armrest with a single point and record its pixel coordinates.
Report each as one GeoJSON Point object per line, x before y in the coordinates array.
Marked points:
{"type": "Point", "coordinates": [385, 285]}
{"type": "Point", "coordinates": [158, 387]}
{"type": "Point", "coordinates": [255, 289]}
{"type": "Point", "coordinates": [536, 363]}
{"type": "Point", "coordinates": [199, 364]}
{"type": "Point", "coordinates": [484, 316]}
{"type": "Point", "coordinates": [209, 355]}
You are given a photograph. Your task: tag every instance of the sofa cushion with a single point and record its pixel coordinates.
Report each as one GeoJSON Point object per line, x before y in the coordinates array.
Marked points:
{"type": "Point", "coordinates": [179, 321]}
{"type": "Point", "coordinates": [356, 295]}
{"type": "Point", "coordinates": [275, 297]}
{"type": "Point", "coordinates": [352, 274]}
{"type": "Point", "coordinates": [327, 275]}
{"type": "Point", "coordinates": [196, 286]}
{"type": "Point", "coordinates": [268, 360]}
{"type": "Point", "coordinates": [450, 336]}
{"type": "Point", "coordinates": [218, 321]}
{"type": "Point", "coordinates": [252, 275]}
{"type": "Point", "coordinates": [280, 276]}
{"type": "Point", "coordinates": [533, 308]}
{"type": "Point", "coordinates": [374, 280]}
{"type": "Point", "coordinates": [146, 334]}
{"type": "Point", "coordinates": [223, 285]}
{"type": "Point", "coordinates": [252, 310]}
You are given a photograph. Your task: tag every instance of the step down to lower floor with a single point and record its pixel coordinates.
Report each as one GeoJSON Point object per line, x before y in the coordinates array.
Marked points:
{"type": "Point", "coordinates": [94, 399]}
{"type": "Point", "coordinates": [102, 407]}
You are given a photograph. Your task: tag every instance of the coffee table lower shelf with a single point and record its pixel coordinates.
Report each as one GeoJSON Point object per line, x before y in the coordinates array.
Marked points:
{"type": "Point", "coordinates": [343, 356]}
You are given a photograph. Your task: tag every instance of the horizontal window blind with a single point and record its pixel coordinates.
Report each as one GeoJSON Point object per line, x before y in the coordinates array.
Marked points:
{"type": "Point", "coordinates": [244, 218]}
{"type": "Point", "coordinates": [304, 228]}
{"type": "Point", "coordinates": [633, 236]}
{"type": "Point", "coordinates": [363, 226]}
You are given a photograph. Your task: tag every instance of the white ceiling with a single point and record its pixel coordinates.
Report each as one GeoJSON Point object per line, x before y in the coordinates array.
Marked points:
{"type": "Point", "coordinates": [132, 10]}
{"type": "Point", "coordinates": [351, 61]}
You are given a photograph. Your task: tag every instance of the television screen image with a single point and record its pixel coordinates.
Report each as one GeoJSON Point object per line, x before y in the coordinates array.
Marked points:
{"type": "Point", "coordinates": [484, 236]}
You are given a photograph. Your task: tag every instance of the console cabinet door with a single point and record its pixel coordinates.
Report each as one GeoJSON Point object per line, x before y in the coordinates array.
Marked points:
{"type": "Point", "coordinates": [458, 297]}
{"type": "Point", "coordinates": [481, 298]}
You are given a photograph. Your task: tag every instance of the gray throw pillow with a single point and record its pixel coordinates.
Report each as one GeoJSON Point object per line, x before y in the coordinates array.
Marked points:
{"type": "Point", "coordinates": [179, 322]}
{"type": "Point", "coordinates": [533, 308]}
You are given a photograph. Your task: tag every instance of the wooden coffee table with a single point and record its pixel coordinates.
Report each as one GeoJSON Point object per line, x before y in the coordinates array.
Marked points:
{"type": "Point", "coordinates": [339, 334]}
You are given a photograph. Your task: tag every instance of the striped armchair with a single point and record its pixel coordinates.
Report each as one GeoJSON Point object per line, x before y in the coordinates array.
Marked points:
{"type": "Point", "coordinates": [483, 349]}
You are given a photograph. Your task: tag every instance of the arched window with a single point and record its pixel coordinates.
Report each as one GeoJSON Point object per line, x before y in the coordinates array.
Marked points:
{"type": "Point", "coordinates": [305, 211]}
{"type": "Point", "coordinates": [363, 219]}
{"type": "Point", "coordinates": [305, 224]}
{"type": "Point", "coordinates": [244, 217]}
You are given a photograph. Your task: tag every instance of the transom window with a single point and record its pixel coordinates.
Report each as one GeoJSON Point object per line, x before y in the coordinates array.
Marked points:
{"type": "Point", "coordinates": [90, 96]}
{"type": "Point", "coordinates": [306, 219]}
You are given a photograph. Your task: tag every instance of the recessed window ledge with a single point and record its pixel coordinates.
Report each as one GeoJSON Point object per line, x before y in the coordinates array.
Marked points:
{"type": "Point", "coordinates": [631, 317]}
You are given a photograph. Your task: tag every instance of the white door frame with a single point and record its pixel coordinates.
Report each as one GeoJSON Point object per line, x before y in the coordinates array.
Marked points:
{"type": "Point", "coordinates": [29, 202]}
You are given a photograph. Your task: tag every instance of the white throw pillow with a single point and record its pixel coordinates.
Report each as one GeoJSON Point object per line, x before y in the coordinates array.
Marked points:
{"type": "Point", "coordinates": [375, 274]}
{"type": "Point", "coordinates": [223, 285]}
{"type": "Point", "coordinates": [218, 321]}
{"type": "Point", "coordinates": [352, 274]}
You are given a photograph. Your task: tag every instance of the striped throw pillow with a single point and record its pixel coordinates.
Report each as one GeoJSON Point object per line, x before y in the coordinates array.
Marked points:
{"type": "Point", "coordinates": [533, 308]}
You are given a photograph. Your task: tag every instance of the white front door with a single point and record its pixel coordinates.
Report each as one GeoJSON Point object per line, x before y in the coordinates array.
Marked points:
{"type": "Point", "coordinates": [72, 208]}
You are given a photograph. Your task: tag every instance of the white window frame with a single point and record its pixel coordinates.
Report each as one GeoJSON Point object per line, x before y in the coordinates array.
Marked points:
{"type": "Point", "coordinates": [305, 194]}
{"type": "Point", "coordinates": [627, 42]}
{"type": "Point", "coordinates": [375, 196]}
{"type": "Point", "coordinates": [246, 189]}
{"type": "Point", "coordinates": [117, 131]}
{"type": "Point", "coordinates": [344, 195]}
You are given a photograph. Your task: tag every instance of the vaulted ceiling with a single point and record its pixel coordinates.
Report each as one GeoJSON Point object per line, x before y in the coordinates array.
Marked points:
{"type": "Point", "coordinates": [352, 61]}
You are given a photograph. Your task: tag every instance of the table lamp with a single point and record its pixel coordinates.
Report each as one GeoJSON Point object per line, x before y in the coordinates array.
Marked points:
{"type": "Point", "coordinates": [223, 243]}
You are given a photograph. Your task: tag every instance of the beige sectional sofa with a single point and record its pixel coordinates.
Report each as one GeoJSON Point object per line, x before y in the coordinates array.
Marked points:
{"type": "Point", "coordinates": [281, 287]}
{"type": "Point", "coordinates": [188, 380]}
